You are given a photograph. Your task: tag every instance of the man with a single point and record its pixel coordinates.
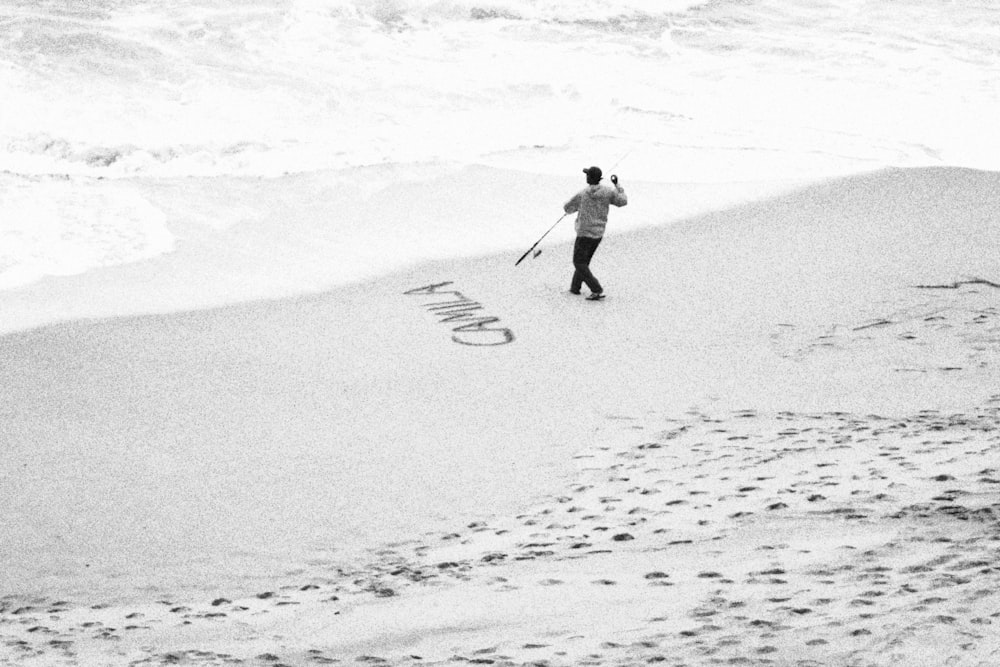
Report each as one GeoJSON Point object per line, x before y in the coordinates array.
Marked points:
{"type": "Point", "coordinates": [592, 205]}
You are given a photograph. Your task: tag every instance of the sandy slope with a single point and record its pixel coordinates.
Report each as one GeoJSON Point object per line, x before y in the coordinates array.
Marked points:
{"type": "Point", "coordinates": [782, 419]}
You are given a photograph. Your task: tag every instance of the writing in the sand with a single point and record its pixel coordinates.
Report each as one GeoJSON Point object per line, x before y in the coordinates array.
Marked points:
{"type": "Point", "coordinates": [452, 307]}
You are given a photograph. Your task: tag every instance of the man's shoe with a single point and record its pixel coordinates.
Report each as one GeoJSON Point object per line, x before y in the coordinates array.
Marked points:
{"type": "Point", "coordinates": [596, 296]}
{"type": "Point", "coordinates": [574, 291]}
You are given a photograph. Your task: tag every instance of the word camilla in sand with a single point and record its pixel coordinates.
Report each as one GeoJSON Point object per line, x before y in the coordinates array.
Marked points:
{"type": "Point", "coordinates": [473, 330]}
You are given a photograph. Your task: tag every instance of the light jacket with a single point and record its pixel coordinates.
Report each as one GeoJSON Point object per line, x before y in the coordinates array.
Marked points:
{"type": "Point", "coordinates": [592, 205]}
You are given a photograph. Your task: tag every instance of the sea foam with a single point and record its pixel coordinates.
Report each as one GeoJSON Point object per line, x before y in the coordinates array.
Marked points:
{"type": "Point", "coordinates": [63, 227]}
{"type": "Point", "coordinates": [710, 92]}
{"type": "Point", "coordinates": [266, 88]}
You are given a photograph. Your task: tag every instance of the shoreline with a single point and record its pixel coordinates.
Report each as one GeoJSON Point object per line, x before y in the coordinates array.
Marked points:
{"type": "Point", "coordinates": [276, 241]}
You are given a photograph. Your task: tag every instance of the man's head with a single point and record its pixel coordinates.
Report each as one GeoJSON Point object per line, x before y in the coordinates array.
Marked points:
{"type": "Point", "coordinates": [594, 175]}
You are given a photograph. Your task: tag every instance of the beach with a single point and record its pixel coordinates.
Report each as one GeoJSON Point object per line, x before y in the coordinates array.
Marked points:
{"type": "Point", "coordinates": [771, 444]}
{"type": "Point", "coordinates": [275, 389]}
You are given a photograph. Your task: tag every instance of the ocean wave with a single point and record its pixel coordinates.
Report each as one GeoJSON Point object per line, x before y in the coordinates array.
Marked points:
{"type": "Point", "coordinates": [205, 87]}
{"type": "Point", "coordinates": [419, 11]}
{"type": "Point", "coordinates": [60, 227]}
{"type": "Point", "coordinates": [42, 154]}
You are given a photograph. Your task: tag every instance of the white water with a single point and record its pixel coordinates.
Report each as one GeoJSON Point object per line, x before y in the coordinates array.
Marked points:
{"type": "Point", "coordinates": [58, 228]}
{"type": "Point", "coordinates": [690, 91]}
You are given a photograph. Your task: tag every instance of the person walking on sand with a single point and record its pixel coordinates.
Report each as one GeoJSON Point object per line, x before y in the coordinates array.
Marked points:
{"type": "Point", "coordinates": [591, 204]}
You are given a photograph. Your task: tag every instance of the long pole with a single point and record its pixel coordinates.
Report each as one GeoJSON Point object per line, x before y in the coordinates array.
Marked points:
{"type": "Point", "coordinates": [621, 159]}
{"type": "Point", "coordinates": [540, 239]}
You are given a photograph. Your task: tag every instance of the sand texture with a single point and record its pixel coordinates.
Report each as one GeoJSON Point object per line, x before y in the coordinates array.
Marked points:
{"type": "Point", "coordinates": [775, 443]}
{"type": "Point", "coordinates": [740, 538]}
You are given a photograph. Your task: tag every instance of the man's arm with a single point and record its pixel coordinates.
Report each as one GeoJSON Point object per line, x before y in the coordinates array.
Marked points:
{"type": "Point", "coordinates": [618, 196]}
{"type": "Point", "coordinates": [573, 205]}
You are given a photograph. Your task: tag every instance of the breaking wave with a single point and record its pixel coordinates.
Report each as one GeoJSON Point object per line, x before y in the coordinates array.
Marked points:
{"type": "Point", "coordinates": [266, 87]}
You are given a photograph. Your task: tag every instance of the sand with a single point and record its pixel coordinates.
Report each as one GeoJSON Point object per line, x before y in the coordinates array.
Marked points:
{"type": "Point", "coordinates": [773, 443]}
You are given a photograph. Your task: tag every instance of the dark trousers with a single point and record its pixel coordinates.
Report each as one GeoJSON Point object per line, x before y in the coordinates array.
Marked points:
{"type": "Point", "coordinates": [583, 252]}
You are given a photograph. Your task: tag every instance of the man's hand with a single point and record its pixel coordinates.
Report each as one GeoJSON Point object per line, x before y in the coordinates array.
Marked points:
{"type": "Point", "coordinates": [614, 179]}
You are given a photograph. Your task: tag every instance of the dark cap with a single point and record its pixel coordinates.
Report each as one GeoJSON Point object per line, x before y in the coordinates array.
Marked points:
{"type": "Point", "coordinates": [594, 174]}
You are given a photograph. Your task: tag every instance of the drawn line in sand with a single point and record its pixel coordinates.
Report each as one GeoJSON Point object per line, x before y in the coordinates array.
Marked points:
{"type": "Point", "coordinates": [960, 283]}
{"type": "Point", "coordinates": [457, 307]}
{"type": "Point", "coordinates": [879, 323]}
